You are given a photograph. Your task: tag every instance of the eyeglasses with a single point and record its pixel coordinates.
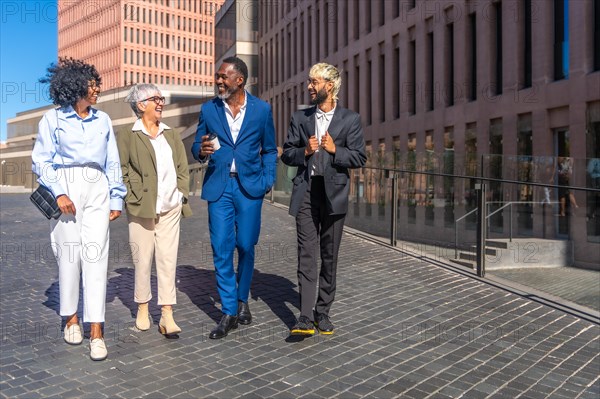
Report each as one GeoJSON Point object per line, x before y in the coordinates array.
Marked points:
{"type": "Point", "coordinates": [93, 85]}
{"type": "Point", "coordinates": [314, 82]}
{"type": "Point", "coordinates": [156, 99]}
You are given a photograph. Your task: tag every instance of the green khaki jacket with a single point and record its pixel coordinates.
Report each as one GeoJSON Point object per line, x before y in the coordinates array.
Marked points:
{"type": "Point", "coordinates": [138, 164]}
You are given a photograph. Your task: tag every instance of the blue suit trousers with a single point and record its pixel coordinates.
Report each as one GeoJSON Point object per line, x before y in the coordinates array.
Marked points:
{"type": "Point", "coordinates": [234, 223]}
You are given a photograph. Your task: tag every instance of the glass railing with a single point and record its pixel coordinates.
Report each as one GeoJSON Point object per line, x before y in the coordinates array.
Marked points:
{"type": "Point", "coordinates": [428, 202]}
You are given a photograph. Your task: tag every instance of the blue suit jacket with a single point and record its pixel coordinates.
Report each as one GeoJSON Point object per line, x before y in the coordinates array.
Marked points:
{"type": "Point", "coordinates": [254, 151]}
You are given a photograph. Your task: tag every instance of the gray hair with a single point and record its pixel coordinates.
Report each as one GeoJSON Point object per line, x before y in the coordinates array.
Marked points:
{"type": "Point", "coordinates": [139, 93]}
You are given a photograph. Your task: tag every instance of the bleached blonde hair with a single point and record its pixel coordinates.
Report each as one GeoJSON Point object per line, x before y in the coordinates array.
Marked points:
{"type": "Point", "coordinates": [329, 73]}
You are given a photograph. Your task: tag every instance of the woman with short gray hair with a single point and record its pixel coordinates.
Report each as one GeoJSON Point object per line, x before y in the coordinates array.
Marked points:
{"type": "Point", "coordinates": [155, 171]}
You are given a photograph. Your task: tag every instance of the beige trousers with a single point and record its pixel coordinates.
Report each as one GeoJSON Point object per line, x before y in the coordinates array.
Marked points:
{"type": "Point", "coordinates": [159, 239]}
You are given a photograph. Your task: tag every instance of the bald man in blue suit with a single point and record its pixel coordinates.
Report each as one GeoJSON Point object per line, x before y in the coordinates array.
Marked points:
{"type": "Point", "coordinates": [241, 170]}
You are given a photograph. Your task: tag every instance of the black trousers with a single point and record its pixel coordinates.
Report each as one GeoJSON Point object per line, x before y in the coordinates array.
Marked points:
{"type": "Point", "coordinates": [318, 232]}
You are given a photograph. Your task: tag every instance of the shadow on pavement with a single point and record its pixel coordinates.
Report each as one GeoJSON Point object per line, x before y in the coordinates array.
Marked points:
{"type": "Point", "coordinates": [276, 291]}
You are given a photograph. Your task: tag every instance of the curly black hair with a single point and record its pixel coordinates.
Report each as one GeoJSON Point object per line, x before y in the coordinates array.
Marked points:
{"type": "Point", "coordinates": [69, 80]}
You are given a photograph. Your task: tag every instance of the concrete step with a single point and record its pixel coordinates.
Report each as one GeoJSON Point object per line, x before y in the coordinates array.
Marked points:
{"type": "Point", "coordinates": [465, 263]}
{"type": "Point", "coordinates": [496, 244]}
{"type": "Point", "coordinates": [521, 253]}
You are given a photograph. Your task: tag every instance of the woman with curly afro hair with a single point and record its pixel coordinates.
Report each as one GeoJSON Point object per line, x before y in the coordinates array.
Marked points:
{"type": "Point", "coordinates": [76, 157]}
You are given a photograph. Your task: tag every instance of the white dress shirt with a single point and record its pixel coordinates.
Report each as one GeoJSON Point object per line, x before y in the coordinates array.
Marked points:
{"type": "Point", "coordinates": [235, 123]}
{"type": "Point", "coordinates": [168, 196]}
{"type": "Point", "coordinates": [322, 121]}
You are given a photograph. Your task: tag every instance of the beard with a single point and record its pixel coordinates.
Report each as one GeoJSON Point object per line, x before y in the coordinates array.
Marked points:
{"type": "Point", "coordinates": [320, 97]}
{"type": "Point", "coordinates": [227, 93]}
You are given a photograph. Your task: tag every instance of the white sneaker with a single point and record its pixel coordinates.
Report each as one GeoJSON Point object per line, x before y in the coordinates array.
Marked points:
{"type": "Point", "coordinates": [98, 349]}
{"type": "Point", "coordinates": [73, 334]}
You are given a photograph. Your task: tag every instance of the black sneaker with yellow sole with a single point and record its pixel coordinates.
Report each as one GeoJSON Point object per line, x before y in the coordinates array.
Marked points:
{"type": "Point", "coordinates": [324, 325]}
{"type": "Point", "coordinates": [303, 327]}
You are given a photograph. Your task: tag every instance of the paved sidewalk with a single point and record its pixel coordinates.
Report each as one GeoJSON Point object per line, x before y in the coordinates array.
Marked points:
{"type": "Point", "coordinates": [405, 328]}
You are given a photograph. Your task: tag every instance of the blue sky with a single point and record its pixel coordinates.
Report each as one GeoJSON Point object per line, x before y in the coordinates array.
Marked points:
{"type": "Point", "coordinates": [28, 44]}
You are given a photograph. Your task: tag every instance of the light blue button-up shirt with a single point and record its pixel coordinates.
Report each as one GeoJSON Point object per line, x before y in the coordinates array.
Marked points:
{"type": "Point", "coordinates": [65, 139]}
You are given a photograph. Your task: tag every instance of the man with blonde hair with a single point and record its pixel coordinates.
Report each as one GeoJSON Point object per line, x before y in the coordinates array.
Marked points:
{"type": "Point", "coordinates": [324, 141]}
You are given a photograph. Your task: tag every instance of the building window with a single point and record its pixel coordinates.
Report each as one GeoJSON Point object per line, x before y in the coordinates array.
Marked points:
{"type": "Point", "coordinates": [288, 61]}
{"type": "Point", "coordinates": [592, 142]}
{"type": "Point", "coordinates": [527, 43]}
{"type": "Point", "coordinates": [369, 91]}
{"type": "Point", "coordinates": [367, 15]}
{"type": "Point", "coordinates": [345, 93]}
{"type": "Point", "coordinates": [396, 77]}
{"type": "Point", "coordinates": [430, 72]}
{"type": "Point", "coordinates": [356, 19]}
{"type": "Point", "coordinates": [412, 76]}
{"type": "Point", "coordinates": [382, 88]}
{"type": "Point", "coordinates": [318, 34]}
{"type": "Point", "coordinates": [449, 70]}
{"type": "Point", "coordinates": [356, 85]}
{"type": "Point", "coordinates": [596, 35]}
{"type": "Point", "coordinates": [333, 13]}
{"type": "Point", "coordinates": [411, 165]}
{"type": "Point", "coordinates": [472, 60]}
{"type": "Point", "coordinates": [125, 56]}
{"type": "Point", "coordinates": [346, 21]}
{"type": "Point", "coordinates": [448, 169]}
{"type": "Point", "coordinates": [125, 33]}
{"type": "Point", "coordinates": [561, 39]}
{"type": "Point", "coordinates": [494, 170]}
{"type": "Point", "coordinates": [302, 47]}
{"type": "Point", "coordinates": [309, 36]}
{"type": "Point", "coordinates": [497, 87]}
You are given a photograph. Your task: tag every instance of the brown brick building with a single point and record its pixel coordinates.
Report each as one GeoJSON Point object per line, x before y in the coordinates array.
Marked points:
{"type": "Point", "coordinates": [501, 88]}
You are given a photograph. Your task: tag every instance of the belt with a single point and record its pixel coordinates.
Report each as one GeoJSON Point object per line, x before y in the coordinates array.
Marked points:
{"type": "Point", "coordinates": [233, 174]}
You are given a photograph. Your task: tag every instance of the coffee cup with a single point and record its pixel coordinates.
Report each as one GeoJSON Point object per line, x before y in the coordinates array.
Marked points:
{"type": "Point", "coordinates": [212, 137]}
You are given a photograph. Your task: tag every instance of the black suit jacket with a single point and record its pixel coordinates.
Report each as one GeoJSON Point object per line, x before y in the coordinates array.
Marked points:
{"type": "Point", "coordinates": [346, 130]}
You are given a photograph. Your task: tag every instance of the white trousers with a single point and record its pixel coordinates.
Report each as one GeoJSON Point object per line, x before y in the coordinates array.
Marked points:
{"type": "Point", "coordinates": [80, 243]}
{"type": "Point", "coordinates": [159, 239]}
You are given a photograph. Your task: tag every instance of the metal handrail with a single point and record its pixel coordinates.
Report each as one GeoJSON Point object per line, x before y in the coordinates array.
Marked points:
{"type": "Point", "coordinates": [506, 204]}
{"type": "Point", "coordinates": [465, 215]}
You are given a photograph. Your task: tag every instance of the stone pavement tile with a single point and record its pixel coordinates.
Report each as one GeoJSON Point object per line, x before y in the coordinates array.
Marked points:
{"type": "Point", "coordinates": [13, 392]}
{"type": "Point", "coordinates": [445, 328]}
{"type": "Point", "coordinates": [381, 394]}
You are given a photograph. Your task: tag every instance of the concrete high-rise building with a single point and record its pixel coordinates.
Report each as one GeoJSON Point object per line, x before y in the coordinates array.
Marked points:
{"type": "Point", "coordinates": [494, 88]}
{"type": "Point", "coordinates": [135, 41]}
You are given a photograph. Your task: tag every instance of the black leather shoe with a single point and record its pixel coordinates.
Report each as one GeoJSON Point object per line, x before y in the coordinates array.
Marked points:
{"type": "Point", "coordinates": [244, 316]}
{"type": "Point", "coordinates": [227, 323]}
